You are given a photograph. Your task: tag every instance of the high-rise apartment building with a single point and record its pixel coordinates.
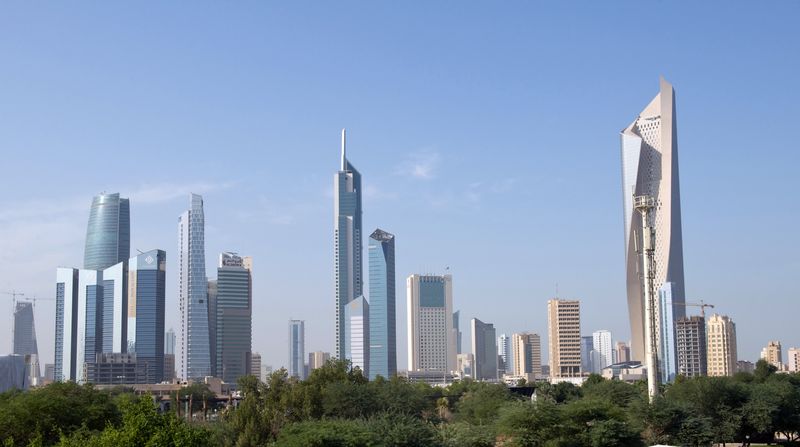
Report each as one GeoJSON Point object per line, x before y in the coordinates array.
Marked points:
{"type": "Point", "coordinates": [690, 337]}
{"type": "Point", "coordinates": [382, 306]}
{"type": "Point", "coordinates": [169, 355]}
{"type": "Point", "coordinates": [356, 335]}
{"type": "Point", "coordinates": [793, 360]}
{"type": "Point", "coordinates": [108, 234]}
{"type": "Point", "coordinates": [773, 354]}
{"type": "Point", "coordinates": [721, 345]}
{"type": "Point", "coordinates": [564, 324]}
{"type": "Point", "coordinates": [317, 359]}
{"type": "Point", "coordinates": [146, 307]}
{"type": "Point", "coordinates": [623, 352]}
{"type": "Point", "coordinates": [195, 355]}
{"type": "Point", "coordinates": [527, 355]}
{"type": "Point", "coordinates": [24, 332]}
{"type": "Point", "coordinates": [484, 349]}
{"type": "Point", "coordinates": [601, 342]}
{"type": "Point", "coordinates": [297, 348]}
{"type": "Point", "coordinates": [234, 317]}
{"type": "Point", "coordinates": [650, 167]}
{"type": "Point", "coordinates": [347, 241]}
{"type": "Point", "coordinates": [431, 335]}
{"type": "Point", "coordinates": [504, 350]}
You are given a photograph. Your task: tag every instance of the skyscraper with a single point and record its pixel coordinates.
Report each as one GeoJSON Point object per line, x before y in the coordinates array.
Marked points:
{"type": "Point", "coordinates": [211, 293]}
{"type": "Point", "coordinates": [347, 241]}
{"type": "Point", "coordinates": [773, 354]}
{"type": "Point", "coordinates": [587, 352]}
{"type": "Point", "coordinates": [601, 342]}
{"type": "Point", "coordinates": [297, 348]}
{"type": "Point", "coordinates": [690, 338]}
{"type": "Point", "coordinates": [317, 359]}
{"type": "Point", "coordinates": [108, 234]}
{"type": "Point", "coordinates": [431, 336]}
{"type": "Point", "coordinates": [255, 365]}
{"type": "Point", "coordinates": [504, 350]}
{"type": "Point", "coordinates": [793, 360]}
{"type": "Point", "coordinates": [146, 307]}
{"type": "Point", "coordinates": [564, 324]}
{"type": "Point", "coordinates": [650, 167]}
{"type": "Point", "coordinates": [234, 311]}
{"type": "Point", "coordinates": [623, 352]}
{"type": "Point", "coordinates": [195, 358]}
{"type": "Point", "coordinates": [169, 355]}
{"type": "Point", "coordinates": [66, 324]}
{"type": "Point", "coordinates": [527, 355]}
{"type": "Point", "coordinates": [484, 349]}
{"type": "Point", "coordinates": [24, 340]}
{"type": "Point", "coordinates": [457, 330]}
{"type": "Point", "coordinates": [721, 345]}
{"type": "Point", "coordinates": [382, 304]}
{"type": "Point", "coordinates": [356, 335]}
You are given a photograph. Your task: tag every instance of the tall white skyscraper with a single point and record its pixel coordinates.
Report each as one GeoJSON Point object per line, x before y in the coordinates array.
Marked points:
{"type": "Point", "coordinates": [356, 322]}
{"type": "Point", "coordinates": [297, 348]}
{"type": "Point", "coordinates": [650, 167]}
{"type": "Point", "coordinates": [347, 242]}
{"type": "Point", "coordinates": [195, 355]}
{"type": "Point", "coordinates": [601, 342]}
{"type": "Point", "coordinates": [431, 336]}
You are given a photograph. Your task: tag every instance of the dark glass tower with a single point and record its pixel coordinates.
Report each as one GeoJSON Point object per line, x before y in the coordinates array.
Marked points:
{"type": "Point", "coordinates": [146, 298]}
{"type": "Point", "coordinates": [382, 323]}
{"type": "Point", "coordinates": [108, 235]}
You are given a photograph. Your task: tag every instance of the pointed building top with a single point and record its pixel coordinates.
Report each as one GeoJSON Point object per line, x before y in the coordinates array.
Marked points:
{"type": "Point", "coordinates": [344, 157]}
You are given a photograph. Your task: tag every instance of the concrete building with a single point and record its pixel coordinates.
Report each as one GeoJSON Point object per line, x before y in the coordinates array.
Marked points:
{"type": "Point", "coordinates": [745, 366]}
{"type": "Point", "coordinates": [234, 317]}
{"type": "Point", "coordinates": [601, 342]}
{"type": "Point", "coordinates": [108, 233]}
{"type": "Point", "coordinates": [690, 336]}
{"type": "Point", "coordinates": [297, 347]}
{"type": "Point", "coordinates": [431, 335]}
{"type": "Point", "coordinates": [721, 345]}
{"type": "Point", "coordinates": [773, 354]}
{"type": "Point", "coordinates": [564, 327]}
{"type": "Point", "coordinates": [347, 234]}
{"type": "Point", "coordinates": [317, 359]}
{"type": "Point", "coordinates": [255, 364]}
{"type": "Point", "coordinates": [527, 356]}
{"type": "Point", "coordinates": [649, 148]}
{"type": "Point", "coordinates": [793, 359]}
{"type": "Point", "coordinates": [382, 306]}
{"type": "Point", "coordinates": [195, 352]}
{"type": "Point", "coordinates": [623, 352]}
{"type": "Point", "coordinates": [357, 327]}
{"type": "Point", "coordinates": [484, 349]}
{"type": "Point", "coordinates": [631, 372]}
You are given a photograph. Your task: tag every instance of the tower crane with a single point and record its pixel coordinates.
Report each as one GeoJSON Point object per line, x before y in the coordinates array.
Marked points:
{"type": "Point", "coordinates": [702, 305]}
{"type": "Point", "coordinates": [14, 294]}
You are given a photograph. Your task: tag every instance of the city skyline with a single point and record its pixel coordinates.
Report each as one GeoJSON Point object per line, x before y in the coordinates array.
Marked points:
{"type": "Point", "coordinates": [455, 158]}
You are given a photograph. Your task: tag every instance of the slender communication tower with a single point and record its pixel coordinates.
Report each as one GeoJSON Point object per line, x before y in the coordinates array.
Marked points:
{"type": "Point", "coordinates": [644, 204]}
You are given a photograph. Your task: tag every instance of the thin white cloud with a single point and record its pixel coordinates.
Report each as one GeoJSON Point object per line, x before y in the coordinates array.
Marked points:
{"type": "Point", "coordinates": [421, 165]}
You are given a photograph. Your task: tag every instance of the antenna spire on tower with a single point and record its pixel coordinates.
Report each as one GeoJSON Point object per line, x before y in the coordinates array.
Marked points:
{"type": "Point", "coordinates": [344, 158]}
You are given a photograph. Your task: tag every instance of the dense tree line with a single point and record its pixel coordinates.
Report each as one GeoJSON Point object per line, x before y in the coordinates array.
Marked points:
{"type": "Point", "coordinates": [337, 406]}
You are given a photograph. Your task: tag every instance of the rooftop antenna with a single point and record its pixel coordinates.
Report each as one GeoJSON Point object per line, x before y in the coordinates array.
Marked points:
{"type": "Point", "coordinates": [344, 159]}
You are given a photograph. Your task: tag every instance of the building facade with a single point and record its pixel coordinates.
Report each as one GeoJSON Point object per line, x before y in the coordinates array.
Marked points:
{"type": "Point", "coordinates": [24, 340]}
{"type": "Point", "coordinates": [169, 355]}
{"type": "Point", "coordinates": [721, 346]}
{"type": "Point", "coordinates": [146, 306]}
{"type": "Point", "coordinates": [431, 335]}
{"type": "Point", "coordinates": [623, 352]}
{"type": "Point", "coordinates": [195, 355]}
{"type": "Point", "coordinates": [587, 352]}
{"type": "Point", "coordinates": [297, 347]}
{"type": "Point", "coordinates": [504, 351]}
{"type": "Point", "coordinates": [484, 348]}
{"type": "Point", "coordinates": [690, 337]}
{"type": "Point", "coordinates": [601, 343]}
{"type": "Point", "coordinates": [649, 147]}
{"type": "Point", "coordinates": [527, 355]}
{"type": "Point", "coordinates": [234, 317]}
{"type": "Point", "coordinates": [357, 330]}
{"type": "Point", "coordinates": [667, 362]}
{"type": "Point", "coordinates": [564, 327]}
{"type": "Point", "coordinates": [108, 234]}
{"type": "Point", "coordinates": [347, 241]}
{"type": "Point", "coordinates": [317, 359]}
{"type": "Point", "coordinates": [382, 306]}
{"type": "Point", "coordinates": [773, 354]}
{"type": "Point", "coordinates": [255, 365]}
{"type": "Point", "coordinates": [793, 360]}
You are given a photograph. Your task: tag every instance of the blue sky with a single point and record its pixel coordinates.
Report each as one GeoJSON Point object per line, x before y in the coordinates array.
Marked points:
{"type": "Point", "coordinates": [487, 135]}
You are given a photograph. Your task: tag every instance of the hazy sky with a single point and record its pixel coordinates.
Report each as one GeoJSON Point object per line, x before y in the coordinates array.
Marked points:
{"type": "Point", "coordinates": [487, 135]}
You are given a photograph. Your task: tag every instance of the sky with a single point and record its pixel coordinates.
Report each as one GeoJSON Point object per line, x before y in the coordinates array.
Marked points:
{"type": "Point", "coordinates": [486, 133]}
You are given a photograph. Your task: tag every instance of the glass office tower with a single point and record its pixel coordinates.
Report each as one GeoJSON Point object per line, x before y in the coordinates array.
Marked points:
{"type": "Point", "coordinates": [297, 349]}
{"type": "Point", "coordinates": [193, 293]}
{"type": "Point", "coordinates": [484, 349]}
{"type": "Point", "coordinates": [24, 341]}
{"type": "Point", "coordinates": [66, 324]}
{"type": "Point", "coordinates": [347, 241]}
{"type": "Point", "coordinates": [108, 234]}
{"type": "Point", "coordinates": [146, 306]}
{"type": "Point", "coordinates": [356, 321]}
{"type": "Point", "coordinates": [382, 322]}
{"type": "Point", "coordinates": [234, 312]}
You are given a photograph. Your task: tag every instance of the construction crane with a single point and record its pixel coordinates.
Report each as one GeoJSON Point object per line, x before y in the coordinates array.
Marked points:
{"type": "Point", "coordinates": [702, 305]}
{"type": "Point", "coordinates": [14, 294]}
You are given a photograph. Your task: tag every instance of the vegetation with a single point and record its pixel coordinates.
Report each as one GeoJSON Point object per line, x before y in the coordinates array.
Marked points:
{"type": "Point", "coordinates": [337, 406]}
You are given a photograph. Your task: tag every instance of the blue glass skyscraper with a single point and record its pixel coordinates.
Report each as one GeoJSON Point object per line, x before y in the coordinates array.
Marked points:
{"type": "Point", "coordinates": [297, 348]}
{"type": "Point", "coordinates": [108, 235]}
{"type": "Point", "coordinates": [193, 292]}
{"type": "Point", "coordinates": [382, 322]}
{"type": "Point", "coordinates": [146, 298]}
{"type": "Point", "coordinates": [347, 242]}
